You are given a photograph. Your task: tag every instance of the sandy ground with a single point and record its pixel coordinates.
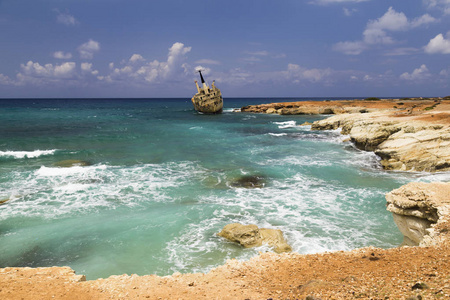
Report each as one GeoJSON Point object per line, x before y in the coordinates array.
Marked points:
{"type": "Point", "coordinates": [369, 273]}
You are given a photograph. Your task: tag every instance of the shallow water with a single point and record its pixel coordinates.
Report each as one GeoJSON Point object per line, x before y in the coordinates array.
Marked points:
{"type": "Point", "coordinates": [161, 184]}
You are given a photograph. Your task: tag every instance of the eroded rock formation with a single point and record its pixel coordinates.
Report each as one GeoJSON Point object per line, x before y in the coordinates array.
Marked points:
{"type": "Point", "coordinates": [252, 236]}
{"type": "Point", "coordinates": [418, 208]}
{"type": "Point", "coordinates": [402, 144]}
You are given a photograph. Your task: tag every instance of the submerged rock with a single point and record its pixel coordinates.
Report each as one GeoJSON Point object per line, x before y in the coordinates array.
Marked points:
{"type": "Point", "coordinates": [251, 236]}
{"type": "Point", "coordinates": [249, 182]}
{"type": "Point", "coordinates": [72, 163]}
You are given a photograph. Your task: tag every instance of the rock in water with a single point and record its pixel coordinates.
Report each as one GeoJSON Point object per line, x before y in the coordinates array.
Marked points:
{"type": "Point", "coordinates": [252, 236]}
{"type": "Point", "coordinates": [72, 163]}
{"type": "Point", "coordinates": [249, 182]}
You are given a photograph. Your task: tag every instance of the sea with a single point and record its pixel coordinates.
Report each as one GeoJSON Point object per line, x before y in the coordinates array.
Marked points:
{"type": "Point", "coordinates": [162, 180]}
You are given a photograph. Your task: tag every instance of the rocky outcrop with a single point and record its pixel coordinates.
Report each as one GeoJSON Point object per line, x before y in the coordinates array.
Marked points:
{"type": "Point", "coordinates": [249, 181]}
{"type": "Point", "coordinates": [303, 108]}
{"type": "Point", "coordinates": [421, 212]}
{"type": "Point", "coordinates": [402, 145]}
{"type": "Point", "coordinates": [252, 236]}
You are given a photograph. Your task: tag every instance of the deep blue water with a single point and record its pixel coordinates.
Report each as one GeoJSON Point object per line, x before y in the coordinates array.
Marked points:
{"type": "Point", "coordinates": [163, 181]}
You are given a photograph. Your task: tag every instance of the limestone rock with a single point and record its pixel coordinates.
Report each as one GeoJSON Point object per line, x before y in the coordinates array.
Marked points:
{"type": "Point", "coordinates": [252, 236]}
{"type": "Point", "coordinates": [417, 207]}
{"type": "Point", "coordinates": [404, 146]}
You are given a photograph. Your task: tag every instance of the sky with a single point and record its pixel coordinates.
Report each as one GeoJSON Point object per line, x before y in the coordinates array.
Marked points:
{"type": "Point", "coordinates": [251, 48]}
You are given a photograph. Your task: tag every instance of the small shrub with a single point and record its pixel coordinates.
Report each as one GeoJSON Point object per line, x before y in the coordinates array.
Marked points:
{"type": "Point", "coordinates": [428, 108]}
{"type": "Point", "coordinates": [446, 98]}
{"type": "Point", "coordinates": [405, 99]}
{"type": "Point", "coordinates": [372, 99]}
{"type": "Point", "coordinates": [400, 103]}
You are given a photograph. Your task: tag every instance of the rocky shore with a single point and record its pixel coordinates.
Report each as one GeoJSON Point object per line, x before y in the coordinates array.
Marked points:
{"type": "Point", "coordinates": [407, 135]}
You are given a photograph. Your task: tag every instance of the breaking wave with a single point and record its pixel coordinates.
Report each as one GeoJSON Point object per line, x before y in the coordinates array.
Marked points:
{"type": "Point", "coordinates": [26, 154]}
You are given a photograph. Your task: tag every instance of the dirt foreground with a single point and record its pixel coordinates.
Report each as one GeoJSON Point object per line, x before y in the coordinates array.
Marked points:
{"type": "Point", "coordinates": [367, 273]}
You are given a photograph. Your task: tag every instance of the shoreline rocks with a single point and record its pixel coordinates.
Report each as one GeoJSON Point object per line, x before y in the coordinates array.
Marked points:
{"type": "Point", "coordinates": [419, 209]}
{"type": "Point", "coordinates": [251, 236]}
{"type": "Point", "coordinates": [411, 145]}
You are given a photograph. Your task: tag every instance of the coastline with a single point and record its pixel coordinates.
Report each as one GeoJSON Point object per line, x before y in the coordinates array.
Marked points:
{"type": "Point", "coordinates": [400, 135]}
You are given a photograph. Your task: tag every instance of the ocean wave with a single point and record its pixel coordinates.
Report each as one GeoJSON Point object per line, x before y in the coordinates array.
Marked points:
{"type": "Point", "coordinates": [27, 154]}
{"type": "Point", "coordinates": [286, 124]}
{"type": "Point", "coordinates": [277, 134]}
{"type": "Point", "coordinates": [51, 192]}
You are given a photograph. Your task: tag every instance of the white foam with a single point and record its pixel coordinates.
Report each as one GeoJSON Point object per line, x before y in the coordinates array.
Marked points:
{"type": "Point", "coordinates": [277, 134]}
{"type": "Point", "coordinates": [286, 124]}
{"type": "Point", "coordinates": [228, 110]}
{"type": "Point", "coordinates": [53, 192]}
{"type": "Point", "coordinates": [28, 154]}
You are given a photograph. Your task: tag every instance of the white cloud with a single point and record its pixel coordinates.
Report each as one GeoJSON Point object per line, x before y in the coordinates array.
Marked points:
{"type": "Point", "coordinates": [377, 31]}
{"type": "Point", "coordinates": [208, 62]}
{"type": "Point", "coordinates": [445, 72]}
{"type": "Point", "coordinates": [138, 70]}
{"type": "Point", "coordinates": [349, 11]}
{"type": "Point", "coordinates": [34, 69]}
{"type": "Point", "coordinates": [62, 55]}
{"type": "Point", "coordinates": [87, 68]}
{"type": "Point", "coordinates": [65, 19]}
{"type": "Point", "coordinates": [438, 45]}
{"type": "Point", "coordinates": [298, 73]}
{"type": "Point", "coordinates": [5, 80]}
{"type": "Point", "coordinates": [423, 20]}
{"type": "Point", "coordinates": [443, 5]}
{"type": "Point", "coordinates": [88, 49]}
{"type": "Point", "coordinates": [417, 75]}
{"type": "Point", "coordinates": [350, 48]}
{"type": "Point", "coordinates": [36, 74]}
{"type": "Point", "coordinates": [258, 53]}
{"type": "Point", "coordinates": [205, 71]}
{"type": "Point", "coordinates": [136, 57]}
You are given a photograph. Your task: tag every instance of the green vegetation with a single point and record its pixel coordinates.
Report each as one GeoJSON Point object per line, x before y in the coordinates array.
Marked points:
{"type": "Point", "coordinates": [429, 108]}
{"type": "Point", "coordinates": [405, 99]}
{"type": "Point", "coordinates": [446, 98]}
{"type": "Point", "coordinates": [372, 99]}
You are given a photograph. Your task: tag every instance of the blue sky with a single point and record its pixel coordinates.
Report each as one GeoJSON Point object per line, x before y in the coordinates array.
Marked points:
{"type": "Point", "coordinates": [252, 48]}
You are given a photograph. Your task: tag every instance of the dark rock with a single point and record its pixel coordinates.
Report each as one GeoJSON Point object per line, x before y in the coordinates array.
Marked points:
{"type": "Point", "coordinates": [312, 298]}
{"type": "Point", "coordinates": [249, 182]}
{"type": "Point", "coordinates": [419, 286]}
{"type": "Point", "coordinates": [418, 297]}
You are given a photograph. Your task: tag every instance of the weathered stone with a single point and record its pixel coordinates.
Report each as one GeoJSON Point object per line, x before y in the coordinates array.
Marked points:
{"type": "Point", "coordinates": [252, 236]}
{"type": "Point", "coordinates": [402, 146]}
{"type": "Point", "coordinates": [416, 208]}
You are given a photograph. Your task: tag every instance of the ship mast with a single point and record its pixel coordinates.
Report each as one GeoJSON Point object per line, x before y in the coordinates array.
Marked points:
{"type": "Point", "coordinates": [205, 87]}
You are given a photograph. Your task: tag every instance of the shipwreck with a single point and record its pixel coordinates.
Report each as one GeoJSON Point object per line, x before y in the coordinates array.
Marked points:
{"type": "Point", "coordinates": [208, 100]}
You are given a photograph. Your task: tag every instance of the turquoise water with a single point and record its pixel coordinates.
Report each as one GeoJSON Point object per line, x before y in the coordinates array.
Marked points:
{"type": "Point", "coordinates": [162, 183]}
